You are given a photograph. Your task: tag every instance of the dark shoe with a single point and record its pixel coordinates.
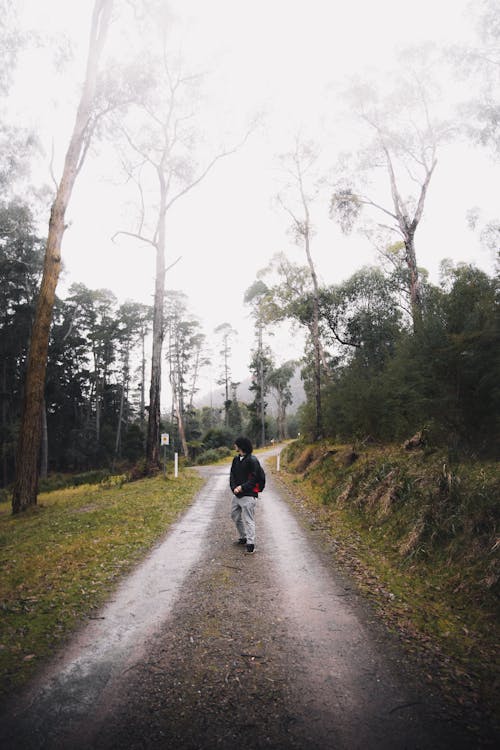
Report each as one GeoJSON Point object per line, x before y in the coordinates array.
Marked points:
{"type": "Point", "coordinates": [250, 549]}
{"type": "Point", "coordinates": [242, 540]}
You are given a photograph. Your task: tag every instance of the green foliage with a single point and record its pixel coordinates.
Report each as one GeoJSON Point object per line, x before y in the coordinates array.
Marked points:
{"type": "Point", "coordinates": [218, 437]}
{"type": "Point", "coordinates": [392, 382]}
{"type": "Point", "coordinates": [345, 208]}
{"type": "Point", "coordinates": [234, 412]}
{"type": "Point", "coordinates": [213, 455]}
{"type": "Point", "coordinates": [21, 261]}
{"type": "Point", "coordinates": [88, 369]}
{"type": "Point", "coordinates": [363, 314]}
{"type": "Point", "coordinates": [261, 367]}
{"type": "Point", "coordinates": [133, 443]}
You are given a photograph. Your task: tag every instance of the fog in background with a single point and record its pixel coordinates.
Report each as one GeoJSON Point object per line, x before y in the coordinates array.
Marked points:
{"type": "Point", "coordinates": [287, 62]}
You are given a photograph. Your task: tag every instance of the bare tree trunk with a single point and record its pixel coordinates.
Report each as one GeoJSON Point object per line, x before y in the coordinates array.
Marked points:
{"type": "Point", "coordinates": [5, 470]}
{"type": "Point", "coordinates": [44, 453]}
{"type": "Point", "coordinates": [317, 367]}
{"type": "Point", "coordinates": [303, 228]}
{"type": "Point", "coordinates": [142, 406]}
{"type": "Point", "coordinates": [124, 388]}
{"type": "Point", "coordinates": [408, 228]}
{"type": "Point", "coordinates": [153, 439]}
{"type": "Point", "coordinates": [28, 449]}
{"type": "Point", "coordinates": [279, 415]}
{"type": "Point", "coordinates": [194, 379]}
{"type": "Point", "coordinates": [226, 384]}
{"type": "Point", "coordinates": [119, 428]}
{"type": "Point", "coordinates": [315, 326]}
{"type": "Point", "coordinates": [261, 378]}
{"type": "Point", "coordinates": [142, 414]}
{"type": "Point", "coordinates": [97, 414]}
{"type": "Point", "coordinates": [180, 420]}
{"type": "Point", "coordinates": [415, 296]}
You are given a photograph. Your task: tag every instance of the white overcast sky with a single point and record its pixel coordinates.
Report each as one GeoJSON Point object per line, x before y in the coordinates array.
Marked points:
{"type": "Point", "coordinates": [284, 57]}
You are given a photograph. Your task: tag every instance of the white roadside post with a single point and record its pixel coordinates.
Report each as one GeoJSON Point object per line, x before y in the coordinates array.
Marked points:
{"type": "Point", "coordinates": [278, 461]}
{"type": "Point", "coordinates": [176, 464]}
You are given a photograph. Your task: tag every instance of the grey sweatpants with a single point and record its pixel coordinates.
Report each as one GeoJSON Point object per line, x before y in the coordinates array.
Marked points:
{"type": "Point", "coordinates": [243, 515]}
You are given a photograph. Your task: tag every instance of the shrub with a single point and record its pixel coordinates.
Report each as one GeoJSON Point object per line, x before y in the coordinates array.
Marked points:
{"type": "Point", "coordinates": [60, 481]}
{"type": "Point", "coordinates": [213, 455]}
{"type": "Point", "coordinates": [217, 438]}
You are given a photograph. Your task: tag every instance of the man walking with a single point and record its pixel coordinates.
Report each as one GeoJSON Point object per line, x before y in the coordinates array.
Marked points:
{"type": "Point", "coordinates": [244, 483]}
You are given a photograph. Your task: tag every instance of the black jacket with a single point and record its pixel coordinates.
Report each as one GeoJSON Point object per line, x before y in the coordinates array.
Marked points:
{"type": "Point", "coordinates": [243, 472]}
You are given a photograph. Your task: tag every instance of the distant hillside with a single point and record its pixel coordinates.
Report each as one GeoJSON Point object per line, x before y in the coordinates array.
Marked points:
{"type": "Point", "coordinates": [246, 396]}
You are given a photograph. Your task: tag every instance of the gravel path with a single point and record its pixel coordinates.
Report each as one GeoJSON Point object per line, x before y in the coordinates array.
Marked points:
{"type": "Point", "coordinates": [206, 647]}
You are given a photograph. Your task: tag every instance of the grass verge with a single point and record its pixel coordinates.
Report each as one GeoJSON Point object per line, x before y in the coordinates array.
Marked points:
{"type": "Point", "coordinates": [421, 540]}
{"type": "Point", "coordinates": [61, 559]}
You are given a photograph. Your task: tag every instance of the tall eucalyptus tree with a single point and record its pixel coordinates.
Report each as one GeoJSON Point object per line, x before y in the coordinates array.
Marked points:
{"type": "Point", "coordinates": [404, 131]}
{"type": "Point", "coordinates": [278, 381]}
{"type": "Point", "coordinates": [226, 333]}
{"type": "Point", "coordinates": [255, 296]}
{"type": "Point", "coordinates": [184, 346]}
{"type": "Point", "coordinates": [159, 138]}
{"type": "Point", "coordinates": [301, 188]}
{"type": "Point", "coordinates": [26, 483]}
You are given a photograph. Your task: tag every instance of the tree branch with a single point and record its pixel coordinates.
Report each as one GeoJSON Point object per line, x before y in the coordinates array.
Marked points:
{"type": "Point", "coordinates": [368, 202]}
{"type": "Point", "coordinates": [423, 193]}
{"type": "Point", "coordinates": [205, 172]}
{"type": "Point", "coordinates": [51, 166]}
{"type": "Point", "coordinates": [296, 221]}
{"type": "Point", "coordinates": [135, 235]}
{"type": "Point", "coordinates": [396, 198]}
{"type": "Point", "coordinates": [173, 264]}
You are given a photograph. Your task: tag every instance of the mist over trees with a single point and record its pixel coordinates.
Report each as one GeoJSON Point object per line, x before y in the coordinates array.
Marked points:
{"type": "Point", "coordinates": [386, 353]}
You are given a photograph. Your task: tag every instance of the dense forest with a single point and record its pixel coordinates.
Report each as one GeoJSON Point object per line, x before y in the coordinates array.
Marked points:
{"type": "Point", "coordinates": [388, 353]}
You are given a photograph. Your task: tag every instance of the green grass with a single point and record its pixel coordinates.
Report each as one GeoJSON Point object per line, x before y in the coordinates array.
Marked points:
{"type": "Point", "coordinates": [61, 559]}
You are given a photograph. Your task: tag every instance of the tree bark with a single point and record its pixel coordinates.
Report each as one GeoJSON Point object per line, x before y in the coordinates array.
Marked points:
{"type": "Point", "coordinates": [415, 296]}
{"type": "Point", "coordinates": [44, 453]}
{"type": "Point", "coordinates": [28, 449]}
{"type": "Point", "coordinates": [3, 396]}
{"type": "Point", "coordinates": [180, 420]}
{"type": "Point", "coordinates": [315, 322]}
{"type": "Point", "coordinates": [153, 439]}
{"type": "Point", "coordinates": [124, 387]}
{"type": "Point", "coordinates": [317, 347]}
{"type": "Point", "coordinates": [227, 401]}
{"type": "Point", "coordinates": [261, 383]}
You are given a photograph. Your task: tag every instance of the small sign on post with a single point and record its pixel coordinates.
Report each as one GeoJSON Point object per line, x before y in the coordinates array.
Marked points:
{"type": "Point", "coordinates": [165, 438]}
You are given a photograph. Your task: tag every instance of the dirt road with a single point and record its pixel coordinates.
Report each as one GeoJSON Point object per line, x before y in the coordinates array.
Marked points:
{"type": "Point", "coordinates": [206, 647]}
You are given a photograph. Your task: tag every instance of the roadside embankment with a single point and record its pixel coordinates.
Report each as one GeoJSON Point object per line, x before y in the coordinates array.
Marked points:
{"type": "Point", "coordinates": [421, 538]}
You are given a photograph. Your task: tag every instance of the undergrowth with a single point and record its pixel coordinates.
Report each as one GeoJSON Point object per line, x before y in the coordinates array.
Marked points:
{"type": "Point", "coordinates": [421, 535]}
{"type": "Point", "coordinates": [60, 560]}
